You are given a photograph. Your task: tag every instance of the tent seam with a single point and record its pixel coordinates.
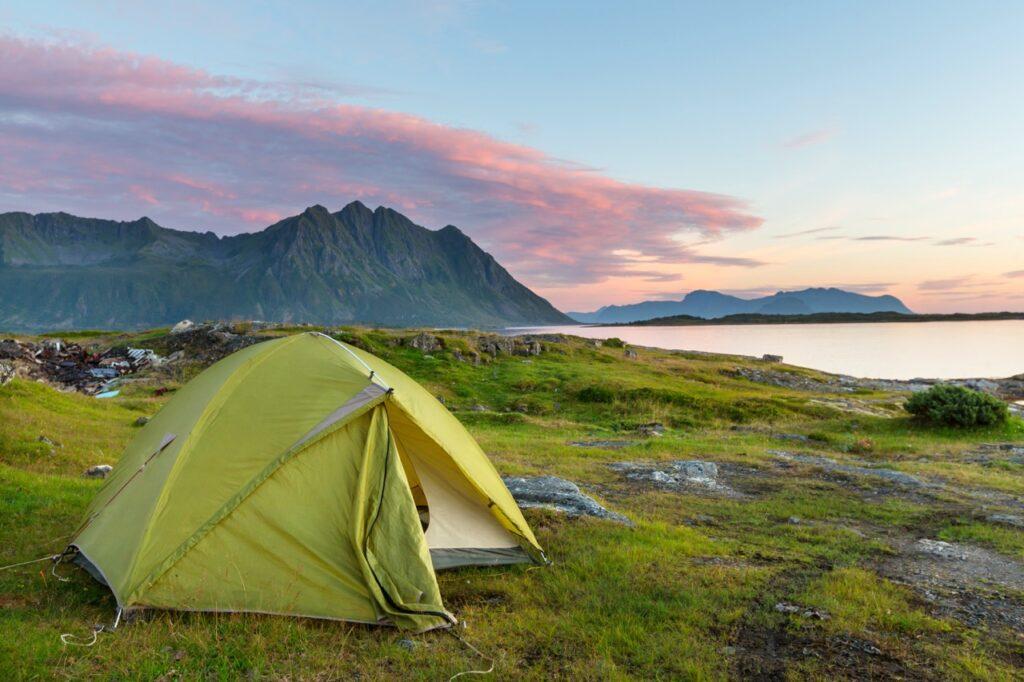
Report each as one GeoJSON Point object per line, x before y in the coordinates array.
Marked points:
{"type": "Point", "coordinates": [202, 423]}
{"type": "Point", "coordinates": [234, 502]}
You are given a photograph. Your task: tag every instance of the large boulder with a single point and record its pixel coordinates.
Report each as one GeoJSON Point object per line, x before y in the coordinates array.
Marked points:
{"type": "Point", "coordinates": [559, 494]}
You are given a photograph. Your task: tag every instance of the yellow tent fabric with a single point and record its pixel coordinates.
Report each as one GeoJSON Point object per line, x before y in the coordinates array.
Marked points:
{"type": "Point", "coordinates": [285, 479]}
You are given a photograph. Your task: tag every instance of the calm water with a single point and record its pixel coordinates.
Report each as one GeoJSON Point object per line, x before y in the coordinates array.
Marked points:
{"type": "Point", "coordinates": [942, 350]}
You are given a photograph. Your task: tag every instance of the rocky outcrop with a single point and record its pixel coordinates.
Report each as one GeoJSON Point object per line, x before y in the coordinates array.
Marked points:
{"type": "Point", "coordinates": [897, 477]}
{"type": "Point", "coordinates": [551, 492]}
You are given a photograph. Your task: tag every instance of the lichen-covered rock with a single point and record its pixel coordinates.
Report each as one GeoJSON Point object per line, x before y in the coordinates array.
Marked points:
{"type": "Point", "coordinates": [98, 471]}
{"type": "Point", "coordinates": [496, 345]}
{"type": "Point", "coordinates": [427, 343]}
{"type": "Point", "coordinates": [827, 464]}
{"type": "Point", "coordinates": [559, 494]}
{"type": "Point", "coordinates": [651, 429]}
{"type": "Point", "coordinates": [6, 372]}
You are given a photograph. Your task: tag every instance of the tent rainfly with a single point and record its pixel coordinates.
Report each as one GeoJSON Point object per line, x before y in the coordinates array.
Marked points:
{"type": "Point", "coordinates": [305, 477]}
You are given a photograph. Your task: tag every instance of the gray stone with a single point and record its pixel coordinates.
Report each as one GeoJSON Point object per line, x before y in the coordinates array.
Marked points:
{"type": "Point", "coordinates": [697, 471]}
{"type": "Point", "coordinates": [651, 429]}
{"type": "Point", "coordinates": [796, 437]}
{"type": "Point", "coordinates": [827, 464]}
{"type": "Point", "coordinates": [183, 326]}
{"type": "Point", "coordinates": [794, 520]}
{"type": "Point", "coordinates": [559, 494]}
{"type": "Point", "coordinates": [1007, 519]}
{"type": "Point", "coordinates": [939, 548]}
{"type": "Point", "coordinates": [98, 471]}
{"type": "Point", "coordinates": [141, 421]}
{"type": "Point", "coordinates": [6, 372]}
{"type": "Point", "coordinates": [479, 408]}
{"type": "Point", "coordinates": [496, 345]}
{"type": "Point", "coordinates": [768, 357]}
{"type": "Point", "coordinates": [406, 644]}
{"type": "Point", "coordinates": [427, 343]}
{"type": "Point", "coordinates": [630, 354]}
{"type": "Point", "coordinates": [602, 444]}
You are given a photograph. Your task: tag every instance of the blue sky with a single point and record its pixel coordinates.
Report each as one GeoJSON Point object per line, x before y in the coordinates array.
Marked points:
{"type": "Point", "coordinates": [893, 131]}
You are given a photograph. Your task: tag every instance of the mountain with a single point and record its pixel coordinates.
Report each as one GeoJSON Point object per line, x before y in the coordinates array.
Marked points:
{"type": "Point", "coordinates": [59, 271]}
{"type": "Point", "coordinates": [712, 304]}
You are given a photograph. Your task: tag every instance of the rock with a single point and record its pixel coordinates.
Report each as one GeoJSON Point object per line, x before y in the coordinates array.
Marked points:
{"type": "Point", "coordinates": [141, 421]}
{"type": "Point", "coordinates": [472, 358]}
{"type": "Point", "coordinates": [479, 408]}
{"type": "Point", "coordinates": [427, 343]}
{"type": "Point", "coordinates": [496, 345]}
{"type": "Point", "coordinates": [697, 471]}
{"type": "Point", "coordinates": [630, 354]}
{"type": "Point", "coordinates": [651, 429]}
{"type": "Point", "coordinates": [183, 326]}
{"type": "Point", "coordinates": [768, 357]}
{"type": "Point", "coordinates": [98, 471]}
{"type": "Point", "coordinates": [603, 444]}
{"type": "Point", "coordinates": [675, 474]}
{"type": "Point", "coordinates": [794, 520]}
{"type": "Point", "coordinates": [6, 372]}
{"type": "Point", "coordinates": [46, 441]}
{"type": "Point", "coordinates": [1007, 519]}
{"type": "Point", "coordinates": [831, 465]}
{"type": "Point", "coordinates": [406, 644]}
{"type": "Point", "coordinates": [792, 436]}
{"type": "Point", "coordinates": [10, 350]}
{"type": "Point", "coordinates": [559, 494]}
{"type": "Point", "coordinates": [939, 548]}
{"type": "Point", "coordinates": [817, 614]}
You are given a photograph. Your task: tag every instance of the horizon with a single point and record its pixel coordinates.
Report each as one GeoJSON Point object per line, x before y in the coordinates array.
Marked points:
{"type": "Point", "coordinates": [883, 156]}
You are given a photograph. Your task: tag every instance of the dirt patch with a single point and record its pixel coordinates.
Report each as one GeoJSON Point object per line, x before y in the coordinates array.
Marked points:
{"type": "Point", "coordinates": [973, 585]}
{"type": "Point", "coordinates": [767, 642]}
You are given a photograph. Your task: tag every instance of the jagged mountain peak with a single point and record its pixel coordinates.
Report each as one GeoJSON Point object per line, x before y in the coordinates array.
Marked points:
{"type": "Point", "coordinates": [351, 266]}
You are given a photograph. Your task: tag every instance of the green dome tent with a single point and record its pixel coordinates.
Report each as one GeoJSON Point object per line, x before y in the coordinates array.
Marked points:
{"type": "Point", "coordinates": [304, 477]}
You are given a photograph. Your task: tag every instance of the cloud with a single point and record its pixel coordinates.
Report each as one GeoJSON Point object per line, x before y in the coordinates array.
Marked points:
{"type": "Point", "coordinates": [98, 131]}
{"type": "Point", "coordinates": [948, 284]}
{"type": "Point", "coordinates": [962, 241]}
{"type": "Point", "coordinates": [801, 233]}
{"type": "Point", "coordinates": [1014, 274]}
{"type": "Point", "coordinates": [810, 138]}
{"type": "Point", "coordinates": [886, 238]}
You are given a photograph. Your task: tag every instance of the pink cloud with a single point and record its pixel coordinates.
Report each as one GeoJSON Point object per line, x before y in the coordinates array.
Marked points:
{"type": "Point", "coordinates": [810, 138]}
{"type": "Point", "coordinates": [115, 134]}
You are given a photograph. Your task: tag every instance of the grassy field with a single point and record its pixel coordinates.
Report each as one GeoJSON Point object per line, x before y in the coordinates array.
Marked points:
{"type": "Point", "coordinates": [691, 592]}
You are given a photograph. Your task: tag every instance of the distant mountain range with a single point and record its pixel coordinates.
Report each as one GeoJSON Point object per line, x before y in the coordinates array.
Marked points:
{"type": "Point", "coordinates": [59, 271]}
{"type": "Point", "coordinates": [712, 304]}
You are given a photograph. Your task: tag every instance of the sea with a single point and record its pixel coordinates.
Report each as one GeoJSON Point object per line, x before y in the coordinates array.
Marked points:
{"type": "Point", "coordinates": [896, 350]}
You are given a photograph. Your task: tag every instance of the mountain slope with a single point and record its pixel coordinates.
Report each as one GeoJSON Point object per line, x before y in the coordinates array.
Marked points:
{"type": "Point", "coordinates": [356, 265]}
{"type": "Point", "coordinates": [712, 304]}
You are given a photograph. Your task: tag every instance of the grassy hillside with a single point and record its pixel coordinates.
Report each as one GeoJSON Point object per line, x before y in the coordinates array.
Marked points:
{"type": "Point", "coordinates": [693, 591]}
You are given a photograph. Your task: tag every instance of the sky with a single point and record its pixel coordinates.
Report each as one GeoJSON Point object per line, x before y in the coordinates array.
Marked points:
{"type": "Point", "coordinates": [604, 152]}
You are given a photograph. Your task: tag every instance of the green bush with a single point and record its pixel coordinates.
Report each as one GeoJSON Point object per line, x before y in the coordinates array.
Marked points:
{"type": "Point", "coordinates": [957, 406]}
{"type": "Point", "coordinates": [614, 342]}
{"type": "Point", "coordinates": [595, 394]}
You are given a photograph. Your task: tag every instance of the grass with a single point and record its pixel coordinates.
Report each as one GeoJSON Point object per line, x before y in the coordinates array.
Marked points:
{"type": "Point", "coordinates": [677, 597]}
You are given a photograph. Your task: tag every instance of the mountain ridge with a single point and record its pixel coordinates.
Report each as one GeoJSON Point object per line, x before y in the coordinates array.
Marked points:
{"type": "Point", "coordinates": [60, 271]}
{"type": "Point", "coordinates": [707, 304]}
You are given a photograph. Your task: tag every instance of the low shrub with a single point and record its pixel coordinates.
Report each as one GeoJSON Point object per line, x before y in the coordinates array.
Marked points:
{"type": "Point", "coordinates": [614, 342]}
{"type": "Point", "coordinates": [957, 406]}
{"type": "Point", "coordinates": [595, 394]}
